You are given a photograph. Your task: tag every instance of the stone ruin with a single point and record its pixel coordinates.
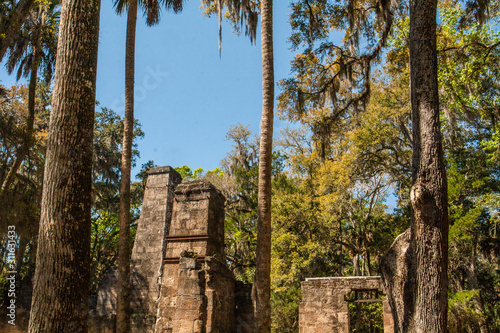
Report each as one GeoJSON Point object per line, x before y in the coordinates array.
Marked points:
{"type": "Point", "coordinates": [180, 280]}
{"type": "Point", "coordinates": [325, 303]}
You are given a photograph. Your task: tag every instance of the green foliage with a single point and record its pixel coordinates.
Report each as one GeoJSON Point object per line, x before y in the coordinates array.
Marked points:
{"type": "Point", "coordinates": [342, 162]}
{"type": "Point", "coordinates": [35, 45]}
{"type": "Point", "coordinates": [367, 317]}
{"type": "Point", "coordinates": [151, 9]}
{"type": "Point", "coordinates": [332, 77]}
{"type": "Point", "coordinates": [462, 311]}
{"type": "Point", "coordinates": [285, 309]}
{"type": "Point", "coordinates": [20, 204]}
{"type": "Point", "coordinates": [108, 137]}
{"type": "Point", "coordinates": [468, 75]}
{"type": "Point", "coordinates": [239, 13]}
{"type": "Point", "coordinates": [328, 217]}
{"type": "Point", "coordinates": [185, 172]}
{"type": "Point", "coordinates": [332, 173]}
{"type": "Point", "coordinates": [240, 167]}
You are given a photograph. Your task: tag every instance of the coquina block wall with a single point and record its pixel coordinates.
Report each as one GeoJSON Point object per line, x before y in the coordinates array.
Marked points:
{"type": "Point", "coordinates": [197, 292]}
{"type": "Point", "coordinates": [180, 281]}
{"type": "Point", "coordinates": [147, 255]}
{"type": "Point", "coordinates": [324, 307]}
{"type": "Point", "coordinates": [146, 260]}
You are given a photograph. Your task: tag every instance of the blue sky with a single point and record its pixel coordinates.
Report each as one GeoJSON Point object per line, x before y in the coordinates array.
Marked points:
{"type": "Point", "coordinates": [187, 96]}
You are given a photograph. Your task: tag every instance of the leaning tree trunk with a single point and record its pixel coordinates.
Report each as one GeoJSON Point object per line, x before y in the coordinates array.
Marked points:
{"type": "Point", "coordinates": [424, 292]}
{"type": "Point", "coordinates": [123, 302]}
{"type": "Point", "coordinates": [261, 292]}
{"type": "Point", "coordinates": [60, 294]}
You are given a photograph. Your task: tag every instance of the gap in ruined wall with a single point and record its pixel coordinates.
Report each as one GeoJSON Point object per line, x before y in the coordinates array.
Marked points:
{"type": "Point", "coordinates": [365, 311]}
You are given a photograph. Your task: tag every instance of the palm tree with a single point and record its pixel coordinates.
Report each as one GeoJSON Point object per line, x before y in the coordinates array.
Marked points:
{"type": "Point", "coordinates": [261, 292]}
{"type": "Point", "coordinates": [33, 47]}
{"type": "Point", "coordinates": [11, 20]}
{"type": "Point", "coordinates": [123, 284]}
{"type": "Point", "coordinates": [244, 12]}
{"type": "Point", "coordinates": [152, 10]}
{"type": "Point", "coordinates": [62, 279]}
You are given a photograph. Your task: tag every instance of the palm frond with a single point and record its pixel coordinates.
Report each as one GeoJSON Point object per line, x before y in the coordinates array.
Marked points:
{"type": "Point", "coordinates": [151, 11]}
{"type": "Point", "coordinates": [120, 6]}
{"type": "Point", "coordinates": [38, 31]}
{"type": "Point", "coordinates": [174, 5]}
{"type": "Point", "coordinates": [241, 13]}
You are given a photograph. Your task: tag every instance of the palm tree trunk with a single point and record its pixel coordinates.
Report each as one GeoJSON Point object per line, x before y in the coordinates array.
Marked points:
{"type": "Point", "coordinates": [261, 292]}
{"type": "Point", "coordinates": [60, 293]}
{"type": "Point", "coordinates": [429, 229]}
{"type": "Point", "coordinates": [123, 302]}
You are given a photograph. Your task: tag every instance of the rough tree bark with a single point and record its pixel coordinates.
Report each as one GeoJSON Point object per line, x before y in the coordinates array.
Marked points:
{"type": "Point", "coordinates": [394, 266]}
{"type": "Point", "coordinates": [123, 302]}
{"type": "Point", "coordinates": [261, 292]}
{"type": "Point", "coordinates": [425, 286]}
{"type": "Point", "coordinates": [60, 294]}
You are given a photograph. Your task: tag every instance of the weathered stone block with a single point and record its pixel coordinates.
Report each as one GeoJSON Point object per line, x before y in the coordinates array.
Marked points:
{"type": "Point", "coordinates": [324, 307]}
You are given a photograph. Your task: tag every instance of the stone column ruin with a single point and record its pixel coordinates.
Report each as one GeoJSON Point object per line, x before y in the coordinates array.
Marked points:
{"type": "Point", "coordinates": [147, 255]}
{"type": "Point", "coordinates": [198, 290]}
{"type": "Point", "coordinates": [180, 282]}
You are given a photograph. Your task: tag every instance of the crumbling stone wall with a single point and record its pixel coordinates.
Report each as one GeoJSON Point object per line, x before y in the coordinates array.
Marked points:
{"type": "Point", "coordinates": [147, 255]}
{"type": "Point", "coordinates": [180, 281]}
{"type": "Point", "coordinates": [220, 293]}
{"type": "Point", "coordinates": [197, 230]}
{"type": "Point", "coordinates": [181, 284]}
{"type": "Point", "coordinates": [244, 307]}
{"type": "Point", "coordinates": [324, 307]}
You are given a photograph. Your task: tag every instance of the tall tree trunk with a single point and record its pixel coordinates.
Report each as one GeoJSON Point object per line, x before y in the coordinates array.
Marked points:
{"type": "Point", "coordinates": [427, 289]}
{"type": "Point", "coordinates": [60, 294]}
{"type": "Point", "coordinates": [123, 302]}
{"type": "Point", "coordinates": [30, 121]}
{"type": "Point", "coordinates": [13, 23]}
{"type": "Point", "coordinates": [261, 292]}
{"type": "Point", "coordinates": [415, 268]}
